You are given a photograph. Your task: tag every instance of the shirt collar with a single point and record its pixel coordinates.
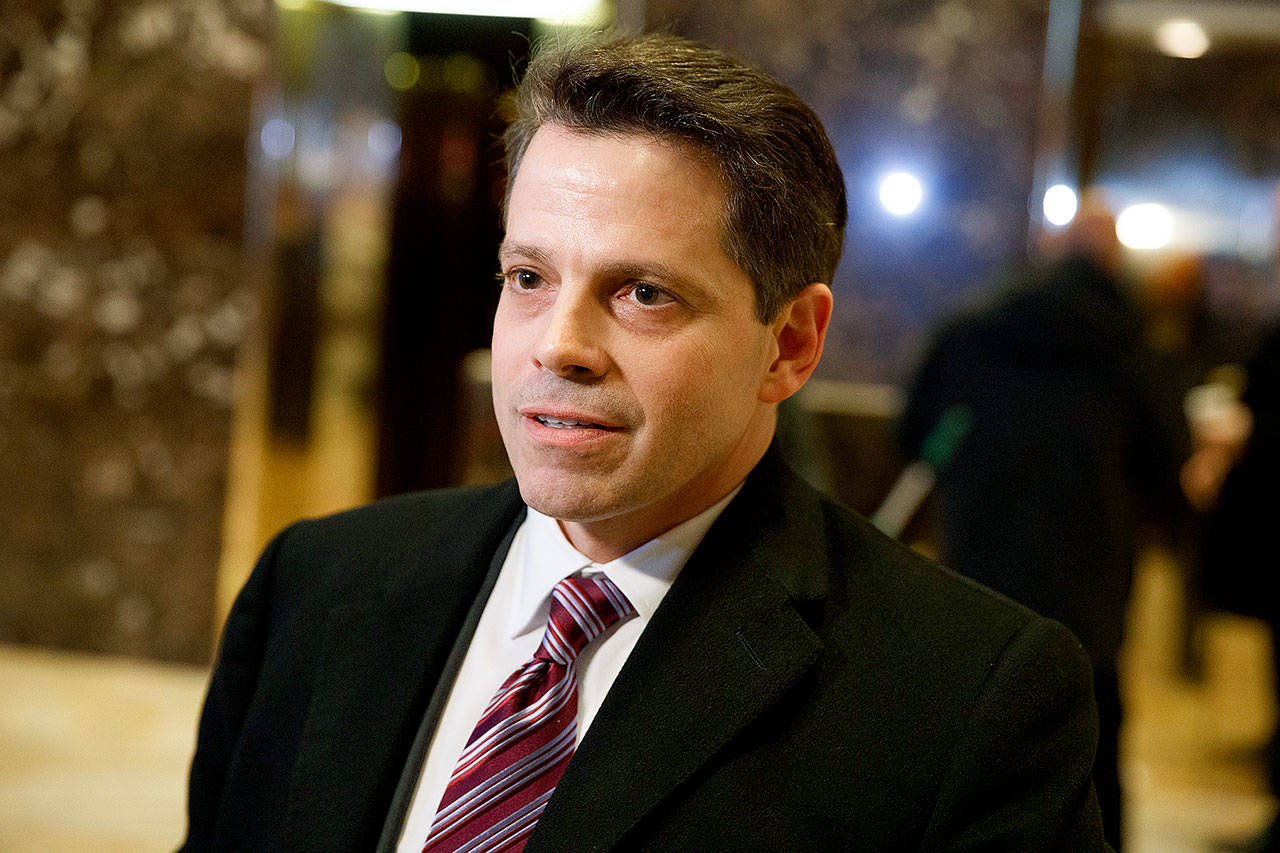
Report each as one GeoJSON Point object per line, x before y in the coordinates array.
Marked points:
{"type": "Point", "coordinates": [644, 575]}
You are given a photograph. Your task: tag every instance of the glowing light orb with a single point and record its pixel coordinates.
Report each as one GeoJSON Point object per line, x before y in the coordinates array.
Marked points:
{"type": "Point", "coordinates": [901, 193]}
{"type": "Point", "coordinates": [277, 138]}
{"type": "Point", "coordinates": [1060, 204]}
{"type": "Point", "coordinates": [1182, 38]}
{"type": "Point", "coordinates": [1145, 226]}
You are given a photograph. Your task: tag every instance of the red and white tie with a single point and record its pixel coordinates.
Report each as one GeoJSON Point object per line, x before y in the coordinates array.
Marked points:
{"type": "Point", "coordinates": [526, 735]}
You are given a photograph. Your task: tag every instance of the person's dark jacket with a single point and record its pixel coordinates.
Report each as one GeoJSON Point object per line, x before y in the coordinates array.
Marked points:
{"type": "Point", "coordinates": [1066, 441]}
{"type": "Point", "coordinates": [806, 684]}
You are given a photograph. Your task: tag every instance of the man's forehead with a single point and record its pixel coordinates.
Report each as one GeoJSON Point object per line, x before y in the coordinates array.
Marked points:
{"type": "Point", "coordinates": [607, 177]}
{"type": "Point", "coordinates": [582, 146]}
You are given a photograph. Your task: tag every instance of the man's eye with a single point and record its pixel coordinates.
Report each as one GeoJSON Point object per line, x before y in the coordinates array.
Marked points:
{"type": "Point", "coordinates": [525, 279]}
{"type": "Point", "coordinates": [651, 295]}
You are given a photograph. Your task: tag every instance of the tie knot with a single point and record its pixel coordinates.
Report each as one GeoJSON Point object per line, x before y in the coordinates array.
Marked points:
{"type": "Point", "coordinates": [582, 608]}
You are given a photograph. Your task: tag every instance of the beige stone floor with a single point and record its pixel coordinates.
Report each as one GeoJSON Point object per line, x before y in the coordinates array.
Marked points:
{"type": "Point", "coordinates": [1192, 747]}
{"type": "Point", "coordinates": [94, 751]}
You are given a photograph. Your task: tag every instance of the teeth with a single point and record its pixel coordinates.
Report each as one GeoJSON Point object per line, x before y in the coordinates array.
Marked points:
{"type": "Point", "coordinates": [560, 423]}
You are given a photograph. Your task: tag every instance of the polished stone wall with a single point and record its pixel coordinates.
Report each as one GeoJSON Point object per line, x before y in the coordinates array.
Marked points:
{"type": "Point", "coordinates": [948, 89]}
{"type": "Point", "coordinates": [123, 300]}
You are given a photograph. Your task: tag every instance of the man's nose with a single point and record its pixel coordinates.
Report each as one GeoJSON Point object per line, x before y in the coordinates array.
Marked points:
{"type": "Point", "coordinates": [571, 342]}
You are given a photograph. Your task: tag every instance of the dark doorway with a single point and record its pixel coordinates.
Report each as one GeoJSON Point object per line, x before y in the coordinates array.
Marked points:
{"type": "Point", "coordinates": [446, 226]}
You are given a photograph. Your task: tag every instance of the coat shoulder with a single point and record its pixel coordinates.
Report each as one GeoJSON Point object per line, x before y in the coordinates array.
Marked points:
{"type": "Point", "coordinates": [893, 610]}
{"type": "Point", "coordinates": [927, 594]}
{"type": "Point", "coordinates": [331, 554]}
{"type": "Point", "coordinates": [418, 514]}
{"type": "Point", "coordinates": [868, 578]}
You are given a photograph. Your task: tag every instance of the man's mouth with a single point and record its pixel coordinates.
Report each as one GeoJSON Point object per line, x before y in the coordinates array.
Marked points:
{"type": "Point", "coordinates": [567, 423]}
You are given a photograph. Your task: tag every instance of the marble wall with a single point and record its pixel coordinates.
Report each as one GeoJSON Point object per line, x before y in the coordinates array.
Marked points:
{"type": "Point", "coordinates": [947, 89]}
{"type": "Point", "coordinates": [124, 296]}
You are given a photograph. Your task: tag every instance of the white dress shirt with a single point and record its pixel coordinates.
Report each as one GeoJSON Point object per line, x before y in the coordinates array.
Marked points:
{"type": "Point", "coordinates": [511, 627]}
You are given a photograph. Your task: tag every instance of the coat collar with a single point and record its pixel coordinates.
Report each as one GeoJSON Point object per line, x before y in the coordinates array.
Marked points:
{"type": "Point", "coordinates": [386, 648]}
{"type": "Point", "coordinates": [725, 645]}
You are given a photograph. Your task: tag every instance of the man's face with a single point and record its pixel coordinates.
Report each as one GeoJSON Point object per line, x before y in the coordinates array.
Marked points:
{"type": "Point", "coordinates": [627, 358]}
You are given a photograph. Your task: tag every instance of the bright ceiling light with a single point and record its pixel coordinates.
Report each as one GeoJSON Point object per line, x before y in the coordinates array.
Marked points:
{"type": "Point", "coordinates": [1183, 38]}
{"type": "Point", "coordinates": [1060, 204]}
{"type": "Point", "coordinates": [901, 193]}
{"type": "Point", "coordinates": [569, 11]}
{"type": "Point", "coordinates": [1145, 226]}
{"type": "Point", "coordinates": [277, 137]}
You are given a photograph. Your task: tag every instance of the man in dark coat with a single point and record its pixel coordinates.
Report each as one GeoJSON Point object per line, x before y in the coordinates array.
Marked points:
{"type": "Point", "coordinates": [773, 674]}
{"type": "Point", "coordinates": [1065, 439]}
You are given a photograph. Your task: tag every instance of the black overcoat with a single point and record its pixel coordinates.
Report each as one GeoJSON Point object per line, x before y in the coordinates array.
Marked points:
{"type": "Point", "coordinates": [807, 684]}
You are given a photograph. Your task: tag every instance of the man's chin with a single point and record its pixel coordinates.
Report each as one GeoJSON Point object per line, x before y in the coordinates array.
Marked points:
{"type": "Point", "coordinates": [582, 501]}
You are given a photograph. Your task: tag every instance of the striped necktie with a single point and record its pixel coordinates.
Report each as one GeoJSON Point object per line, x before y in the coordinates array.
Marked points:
{"type": "Point", "coordinates": [527, 733]}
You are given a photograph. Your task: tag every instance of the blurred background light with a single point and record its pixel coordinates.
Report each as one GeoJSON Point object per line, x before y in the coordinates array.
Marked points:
{"type": "Point", "coordinates": [401, 71]}
{"type": "Point", "coordinates": [1060, 204]}
{"type": "Point", "coordinates": [277, 138]}
{"type": "Point", "coordinates": [1145, 226]}
{"type": "Point", "coordinates": [584, 11]}
{"type": "Point", "coordinates": [1183, 38]}
{"type": "Point", "coordinates": [384, 140]}
{"type": "Point", "coordinates": [901, 193]}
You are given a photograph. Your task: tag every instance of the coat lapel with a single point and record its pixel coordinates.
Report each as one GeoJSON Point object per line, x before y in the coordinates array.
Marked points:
{"type": "Point", "coordinates": [725, 645]}
{"type": "Point", "coordinates": [383, 657]}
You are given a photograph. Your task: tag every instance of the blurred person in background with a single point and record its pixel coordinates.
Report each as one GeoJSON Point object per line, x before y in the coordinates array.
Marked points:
{"type": "Point", "coordinates": [1198, 346]}
{"type": "Point", "coordinates": [1233, 478]}
{"type": "Point", "coordinates": [1066, 441]}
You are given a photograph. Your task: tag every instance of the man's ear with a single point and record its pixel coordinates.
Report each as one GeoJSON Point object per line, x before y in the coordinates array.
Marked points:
{"type": "Point", "coordinates": [799, 332]}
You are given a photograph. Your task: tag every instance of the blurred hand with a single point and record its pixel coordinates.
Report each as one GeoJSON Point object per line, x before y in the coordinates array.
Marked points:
{"type": "Point", "coordinates": [1220, 428]}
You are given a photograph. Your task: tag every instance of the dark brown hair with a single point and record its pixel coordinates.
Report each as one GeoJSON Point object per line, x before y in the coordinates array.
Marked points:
{"type": "Point", "coordinates": [784, 192]}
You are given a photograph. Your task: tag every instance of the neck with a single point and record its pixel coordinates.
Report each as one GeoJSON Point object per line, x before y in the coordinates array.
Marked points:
{"type": "Point", "coordinates": [605, 541]}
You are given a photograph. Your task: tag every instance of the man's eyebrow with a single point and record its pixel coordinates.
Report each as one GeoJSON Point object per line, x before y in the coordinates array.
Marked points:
{"type": "Point", "coordinates": [522, 250]}
{"type": "Point", "coordinates": [663, 273]}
